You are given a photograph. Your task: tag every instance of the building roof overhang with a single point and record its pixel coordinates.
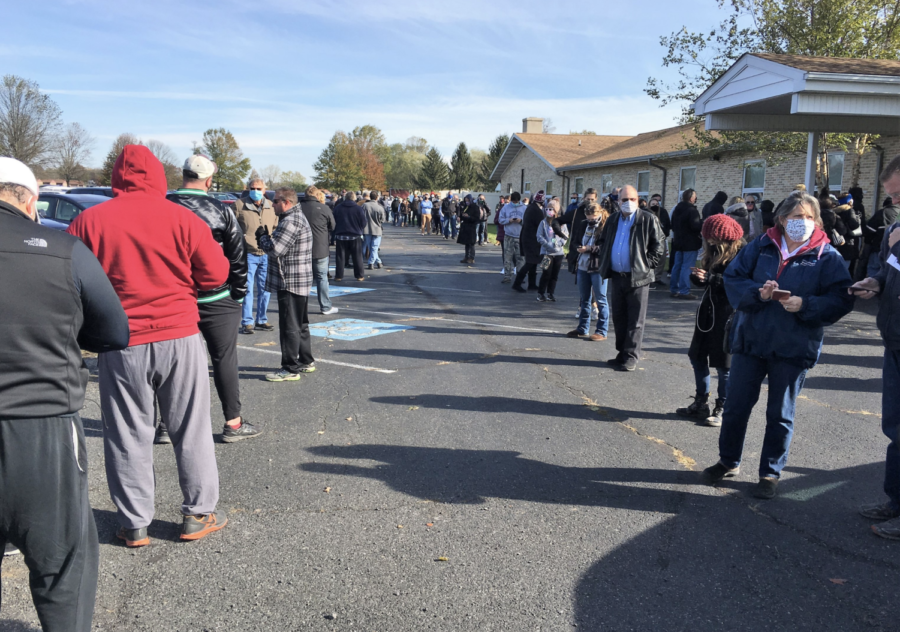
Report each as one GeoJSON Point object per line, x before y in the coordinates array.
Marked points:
{"type": "Point", "coordinates": [795, 94]}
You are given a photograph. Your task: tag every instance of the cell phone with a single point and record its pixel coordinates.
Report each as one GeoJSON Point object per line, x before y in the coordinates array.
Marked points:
{"type": "Point", "coordinates": [858, 290]}
{"type": "Point", "coordinates": [781, 295]}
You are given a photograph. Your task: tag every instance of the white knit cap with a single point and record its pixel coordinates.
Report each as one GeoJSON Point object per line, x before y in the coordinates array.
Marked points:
{"type": "Point", "coordinates": [13, 171]}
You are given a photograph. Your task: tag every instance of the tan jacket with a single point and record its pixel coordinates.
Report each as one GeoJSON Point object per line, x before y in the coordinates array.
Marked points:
{"type": "Point", "coordinates": [251, 217]}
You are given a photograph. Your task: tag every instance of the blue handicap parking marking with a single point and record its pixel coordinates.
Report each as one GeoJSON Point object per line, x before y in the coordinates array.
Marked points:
{"type": "Point", "coordinates": [353, 329]}
{"type": "Point", "coordinates": [342, 291]}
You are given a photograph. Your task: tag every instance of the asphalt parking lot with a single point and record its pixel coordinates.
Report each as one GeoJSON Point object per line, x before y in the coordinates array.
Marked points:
{"type": "Point", "coordinates": [456, 463]}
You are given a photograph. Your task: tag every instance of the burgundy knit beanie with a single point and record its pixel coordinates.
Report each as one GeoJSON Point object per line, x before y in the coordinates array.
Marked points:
{"type": "Point", "coordinates": [721, 228]}
{"type": "Point", "coordinates": [538, 197]}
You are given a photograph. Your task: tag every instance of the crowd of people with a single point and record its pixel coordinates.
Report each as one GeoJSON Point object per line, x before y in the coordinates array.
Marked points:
{"type": "Point", "coordinates": [154, 281]}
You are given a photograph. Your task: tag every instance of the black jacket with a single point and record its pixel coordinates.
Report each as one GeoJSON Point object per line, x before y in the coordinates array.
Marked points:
{"type": "Point", "coordinates": [715, 206]}
{"type": "Point", "coordinates": [227, 233]}
{"type": "Point", "coordinates": [529, 246]}
{"type": "Point", "coordinates": [686, 225]}
{"type": "Point", "coordinates": [645, 246]}
{"type": "Point", "coordinates": [449, 207]}
{"type": "Point", "coordinates": [712, 316]}
{"type": "Point", "coordinates": [468, 233]}
{"type": "Point", "coordinates": [881, 219]}
{"type": "Point", "coordinates": [56, 301]}
{"type": "Point", "coordinates": [665, 222]}
{"type": "Point", "coordinates": [349, 219]}
{"type": "Point", "coordinates": [575, 222]}
{"type": "Point", "coordinates": [321, 221]}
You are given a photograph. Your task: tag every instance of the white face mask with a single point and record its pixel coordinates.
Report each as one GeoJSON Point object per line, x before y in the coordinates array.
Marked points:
{"type": "Point", "coordinates": [799, 229]}
{"type": "Point", "coordinates": [628, 207]}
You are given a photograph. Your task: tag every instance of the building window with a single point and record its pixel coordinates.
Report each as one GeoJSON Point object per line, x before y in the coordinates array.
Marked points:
{"type": "Point", "coordinates": [548, 188]}
{"type": "Point", "coordinates": [579, 186]}
{"type": "Point", "coordinates": [509, 188]}
{"type": "Point", "coordinates": [688, 180]}
{"type": "Point", "coordinates": [527, 187]}
{"type": "Point", "coordinates": [835, 172]}
{"type": "Point", "coordinates": [606, 184]}
{"type": "Point", "coordinates": [643, 184]}
{"type": "Point", "coordinates": [755, 177]}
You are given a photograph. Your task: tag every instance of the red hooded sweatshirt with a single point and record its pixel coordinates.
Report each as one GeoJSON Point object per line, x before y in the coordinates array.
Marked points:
{"type": "Point", "coordinates": [156, 253]}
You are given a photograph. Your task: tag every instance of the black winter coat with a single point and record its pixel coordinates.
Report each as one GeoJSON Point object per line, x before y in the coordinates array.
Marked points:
{"type": "Point", "coordinates": [529, 246]}
{"type": "Point", "coordinates": [227, 233]}
{"type": "Point", "coordinates": [715, 206]}
{"type": "Point", "coordinates": [686, 225]}
{"type": "Point", "coordinates": [321, 221]}
{"type": "Point", "coordinates": [468, 230]}
{"type": "Point", "coordinates": [852, 220]}
{"type": "Point", "coordinates": [662, 215]}
{"type": "Point", "coordinates": [709, 326]}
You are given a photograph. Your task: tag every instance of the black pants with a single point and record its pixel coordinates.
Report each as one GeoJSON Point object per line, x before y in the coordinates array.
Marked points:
{"type": "Point", "coordinates": [531, 270]}
{"type": "Point", "coordinates": [470, 252]}
{"type": "Point", "coordinates": [293, 331]}
{"type": "Point", "coordinates": [219, 324]}
{"type": "Point", "coordinates": [344, 250]}
{"type": "Point", "coordinates": [628, 308]}
{"type": "Point", "coordinates": [44, 511]}
{"type": "Point", "coordinates": [550, 276]}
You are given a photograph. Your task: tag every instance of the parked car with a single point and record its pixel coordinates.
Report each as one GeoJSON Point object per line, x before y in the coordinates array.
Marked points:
{"type": "Point", "coordinates": [107, 191]}
{"type": "Point", "coordinates": [57, 210]}
{"type": "Point", "coordinates": [227, 198]}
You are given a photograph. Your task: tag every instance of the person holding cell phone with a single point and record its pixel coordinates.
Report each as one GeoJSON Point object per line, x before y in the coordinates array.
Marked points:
{"type": "Point", "coordinates": [785, 286]}
{"type": "Point", "coordinates": [886, 282]}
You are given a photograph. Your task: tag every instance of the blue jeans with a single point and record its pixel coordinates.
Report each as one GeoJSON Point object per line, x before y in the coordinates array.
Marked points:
{"type": "Point", "coordinates": [701, 376]}
{"type": "Point", "coordinates": [785, 384]}
{"type": "Point", "coordinates": [371, 244]}
{"type": "Point", "coordinates": [680, 281]}
{"type": "Point", "coordinates": [445, 226]}
{"type": "Point", "coordinates": [257, 297]}
{"type": "Point", "coordinates": [587, 283]}
{"type": "Point", "coordinates": [874, 264]}
{"type": "Point", "coordinates": [454, 226]}
{"type": "Point", "coordinates": [482, 232]}
{"type": "Point", "coordinates": [890, 423]}
{"type": "Point", "coordinates": [320, 276]}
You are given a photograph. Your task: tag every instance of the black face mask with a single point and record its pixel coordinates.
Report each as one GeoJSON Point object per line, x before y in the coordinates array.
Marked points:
{"type": "Point", "coordinates": [592, 222]}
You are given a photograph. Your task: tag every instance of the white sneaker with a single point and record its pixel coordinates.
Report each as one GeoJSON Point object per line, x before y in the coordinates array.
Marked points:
{"type": "Point", "coordinates": [503, 271]}
{"type": "Point", "coordinates": [331, 310]}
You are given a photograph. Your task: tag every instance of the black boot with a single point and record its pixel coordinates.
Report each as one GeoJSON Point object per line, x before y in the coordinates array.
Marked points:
{"type": "Point", "coordinates": [715, 418]}
{"type": "Point", "coordinates": [698, 410]}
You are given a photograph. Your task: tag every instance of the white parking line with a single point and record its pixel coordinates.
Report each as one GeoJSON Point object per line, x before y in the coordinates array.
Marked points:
{"type": "Point", "coordinates": [432, 287]}
{"type": "Point", "coordinates": [347, 364]}
{"type": "Point", "coordinates": [451, 320]}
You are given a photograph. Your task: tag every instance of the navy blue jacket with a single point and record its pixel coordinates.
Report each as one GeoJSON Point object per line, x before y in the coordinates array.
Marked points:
{"type": "Point", "coordinates": [764, 328]}
{"type": "Point", "coordinates": [349, 219]}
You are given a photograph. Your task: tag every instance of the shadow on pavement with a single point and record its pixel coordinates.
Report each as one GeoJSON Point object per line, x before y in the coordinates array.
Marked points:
{"type": "Point", "coordinates": [8, 625]}
{"type": "Point", "coordinates": [474, 358]}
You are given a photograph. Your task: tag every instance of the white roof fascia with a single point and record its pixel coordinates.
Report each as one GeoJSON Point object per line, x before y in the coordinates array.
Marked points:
{"type": "Point", "coordinates": [837, 123]}
{"type": "Point", "coordinates": [795, 76]}
{"type": "Point", "coordinates": [625, 161]}
{"type": "Point", "coordinates": [515, 139]}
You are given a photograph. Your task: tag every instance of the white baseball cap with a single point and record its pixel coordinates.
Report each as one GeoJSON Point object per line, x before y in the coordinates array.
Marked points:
{"type": "Point", "coordinates": [13, 171]}
{"type": "Point", "coordinates": [201, 165]}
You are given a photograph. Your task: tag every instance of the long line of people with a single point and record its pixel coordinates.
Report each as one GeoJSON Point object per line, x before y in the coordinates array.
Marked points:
{"type": "Point", "coordinates": [154, 282]}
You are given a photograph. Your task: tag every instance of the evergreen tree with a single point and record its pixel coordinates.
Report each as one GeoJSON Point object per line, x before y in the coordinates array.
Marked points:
{"type": "Point", "coordinates": [338, 166]}
{"type": "Point", "coordinates": [462, 170]}
{"type": "Point", "coordinates": [434, 175]}
{"type": "Point", "coordinates": [486, 168]}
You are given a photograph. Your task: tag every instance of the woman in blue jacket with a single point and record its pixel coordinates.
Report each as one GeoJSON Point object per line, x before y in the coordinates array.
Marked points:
{"type": "Point", "coordinates": [785, 286]}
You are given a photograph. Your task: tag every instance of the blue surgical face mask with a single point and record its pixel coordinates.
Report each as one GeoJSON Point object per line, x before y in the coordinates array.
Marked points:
{"type": "Point", "coordinates": [255, 195]}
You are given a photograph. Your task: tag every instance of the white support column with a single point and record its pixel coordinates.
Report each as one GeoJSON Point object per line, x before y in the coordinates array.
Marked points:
{"type": "Point", "coordinates": [812, 150]}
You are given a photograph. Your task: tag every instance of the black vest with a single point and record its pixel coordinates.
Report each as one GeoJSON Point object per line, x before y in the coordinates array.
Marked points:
{"type": "Point", "coordinates": [41, 370]}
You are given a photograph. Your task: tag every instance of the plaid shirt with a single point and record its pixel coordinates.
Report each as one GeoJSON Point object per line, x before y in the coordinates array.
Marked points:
{"type": "Point", "coordinates": [290, 254]}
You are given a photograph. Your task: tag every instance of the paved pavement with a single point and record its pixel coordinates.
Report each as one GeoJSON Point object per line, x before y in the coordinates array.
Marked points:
{"type": "Point", "coordinates": [482, 472]}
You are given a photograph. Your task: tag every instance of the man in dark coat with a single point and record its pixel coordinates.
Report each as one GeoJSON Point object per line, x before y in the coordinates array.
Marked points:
{"type": "Point", "coordinates": [716, 205]}
{"type": "Point", "coordinates": [655, 206]}
{"type": "Point", "coordinates": [574, 220]}
{"type": "Point", "coordinates": [468, 231]}
{"type": "Point", "coordinates": [349, 225]}
{"type": "Point", "coordinates": [529, 246]}
{"type": "Point", "coordinates": [321, 221]}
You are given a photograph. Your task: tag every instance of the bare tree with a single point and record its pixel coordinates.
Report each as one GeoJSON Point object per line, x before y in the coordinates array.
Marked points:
{"type": "Point", "coordinates": [29, 121]}
{"type": "Point", "coordinates": [73, 148]}
{"type": "Point", "coordinates": [549, 127]}
{"type": "Point", "coordinates": [167, 157]}
{"type": "Point", "coordinates": [271, 174]}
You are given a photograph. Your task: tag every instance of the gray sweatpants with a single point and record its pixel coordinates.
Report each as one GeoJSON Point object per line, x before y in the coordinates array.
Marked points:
{"type": "Point", "coordinates": [176, 373]}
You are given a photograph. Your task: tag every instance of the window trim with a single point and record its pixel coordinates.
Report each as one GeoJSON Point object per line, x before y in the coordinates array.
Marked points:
{"type": "Point", "coordinates": [579, 183]}
{"type": "Point", "coordinates": [843, 155]}
{"type": "Point", "coordinates": [681, 180]}
{"type": "Point", "coordinates": [603, 188]}
{"type": "Point", "coordinates": [757, 191]}
{"type": "Point", "coordinates": [548, 187]}
{"type": "Point", "coordinates": [526, 187]}
{"type": "Point", "coordinates": [637, 185]}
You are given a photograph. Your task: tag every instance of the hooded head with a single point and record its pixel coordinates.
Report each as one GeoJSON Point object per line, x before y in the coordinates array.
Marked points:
{"type": "Point", "coordinates": [857, 194]}
{"type": "Point", "coordinates": [469, 199]}
{"type": "Point", "coordinates": [721, 197]}
{"type": "Point", "coordinates": [137, 170]}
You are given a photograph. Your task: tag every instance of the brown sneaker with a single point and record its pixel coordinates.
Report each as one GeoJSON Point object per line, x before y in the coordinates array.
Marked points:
{"type": "Point", "coordinates": [595, 337]}
{"type": "Point", "coordinates": [575, 334]}
{"type": "Point", "coordinates": [196, 527]}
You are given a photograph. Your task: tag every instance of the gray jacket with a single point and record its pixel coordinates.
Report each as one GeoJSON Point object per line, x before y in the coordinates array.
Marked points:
{"type": "Point", "coordinates": [374, 218]}
{"type": "Point", "coordinates": [551, 244]}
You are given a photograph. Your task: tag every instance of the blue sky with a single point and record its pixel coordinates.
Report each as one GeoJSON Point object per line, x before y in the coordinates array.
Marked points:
{"type": "Point", "coordinates": [283, 75]}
